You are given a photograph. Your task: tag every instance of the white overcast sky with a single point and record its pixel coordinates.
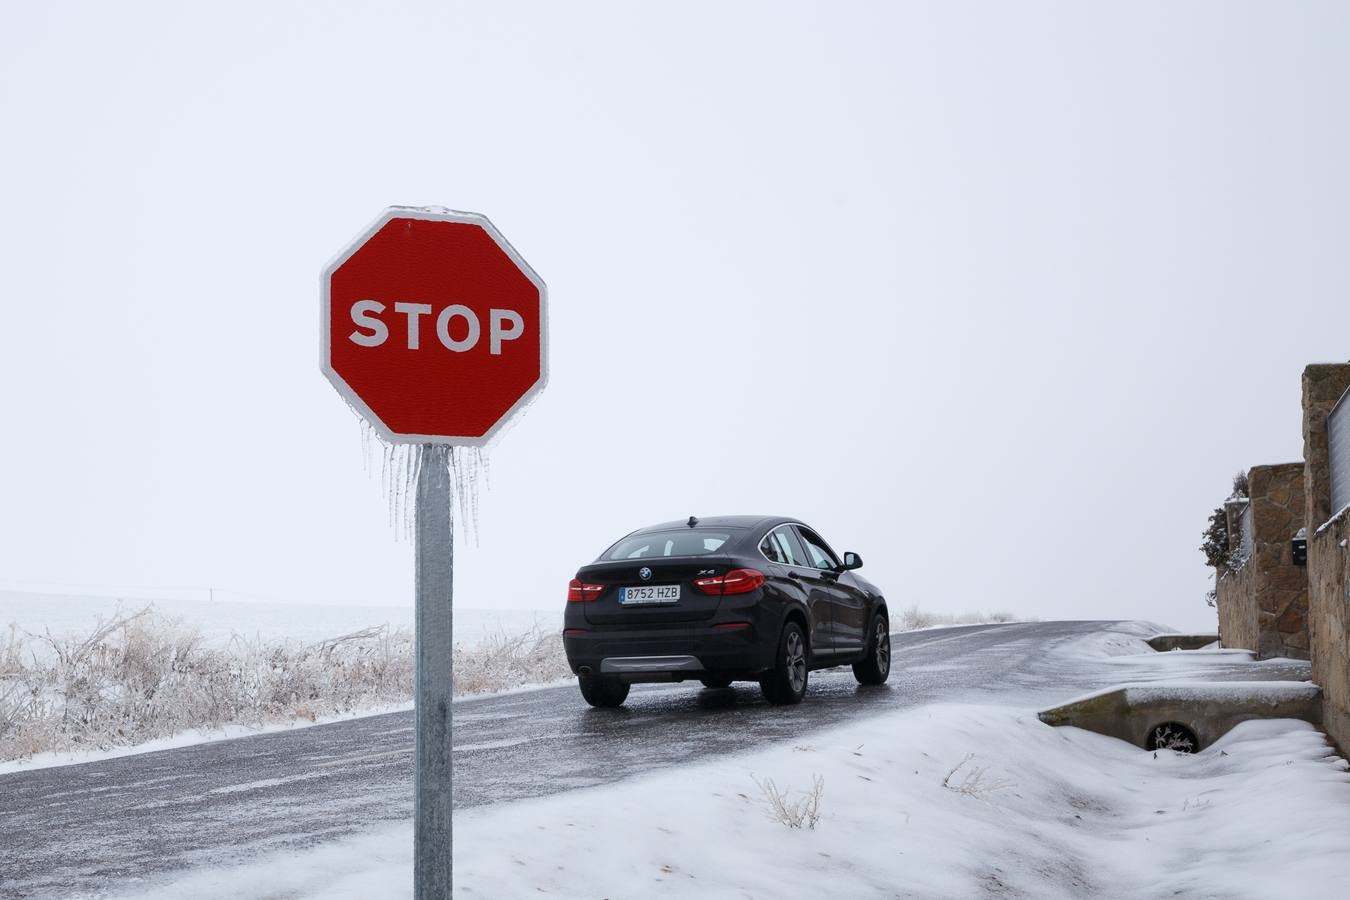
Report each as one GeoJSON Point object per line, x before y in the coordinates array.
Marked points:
{"type": "Point", "coordinates": [997, 295]}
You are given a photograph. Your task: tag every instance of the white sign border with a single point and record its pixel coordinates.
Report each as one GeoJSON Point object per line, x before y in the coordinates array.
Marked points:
{"type": "Point", "coordinates": [428, 214]}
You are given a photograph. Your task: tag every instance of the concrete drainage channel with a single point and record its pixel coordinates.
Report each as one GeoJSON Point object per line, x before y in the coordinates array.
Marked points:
{"type": "Point", "coordinates": [1185, 716]}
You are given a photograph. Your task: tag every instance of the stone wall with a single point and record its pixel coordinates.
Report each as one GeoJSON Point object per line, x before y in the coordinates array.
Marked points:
{"type": "Point", "coordinates": [1328, 553]}
{"type": "Point", "coordinates": [1263, 605]}
{"type": "Point", "coordinates": [1278, 500]}
{"type": "Point", "coordinates": [1323, 385]}
{"type": "Point", "coordinates": [1236, 599]}
{"type": "Point", "coordinates": [1329, 615]}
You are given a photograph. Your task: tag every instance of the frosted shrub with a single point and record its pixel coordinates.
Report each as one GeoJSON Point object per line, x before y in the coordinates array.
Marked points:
{"type": "Point", "coordinates": [144, 676]}
{"type": "Point", "coordinates": [793, 813]}
{"type": "Point", "coordinates": [503, 661]}
{"type": "Point", "coordinates": [912, 618]}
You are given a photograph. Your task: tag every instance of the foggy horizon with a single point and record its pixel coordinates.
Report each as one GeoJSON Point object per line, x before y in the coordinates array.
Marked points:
{"type": "Point", "coordinates": [999, 298]}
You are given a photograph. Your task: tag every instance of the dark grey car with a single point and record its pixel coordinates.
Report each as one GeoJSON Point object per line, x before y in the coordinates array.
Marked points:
{"type": "Point", "coordinates": [723, 599]}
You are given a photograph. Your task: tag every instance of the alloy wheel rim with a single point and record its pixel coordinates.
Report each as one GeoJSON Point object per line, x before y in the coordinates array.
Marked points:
{"type": "Point", "coordinates": [883, 648]}
{"type": "Point", "coordinates": [796, 661]}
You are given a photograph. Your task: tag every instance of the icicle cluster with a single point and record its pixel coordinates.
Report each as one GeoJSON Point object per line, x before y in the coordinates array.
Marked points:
{"type": "Point", "coordinates": [400, 465]}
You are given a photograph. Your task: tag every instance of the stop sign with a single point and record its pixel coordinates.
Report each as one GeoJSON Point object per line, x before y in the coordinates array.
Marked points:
{"type": "Point", "coordinates": [434, 328]}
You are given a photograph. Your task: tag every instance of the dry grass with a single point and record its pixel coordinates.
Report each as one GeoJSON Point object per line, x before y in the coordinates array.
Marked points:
{"type": "Point", "coordinates": [974, 781]}
{"type": "Point", "coordinates": [144, 676]}
{"type": "Point", "coordinates": [510, 660]}
{"type": "Point", "coordinates": [782, 808]}
{"type": "Point", "coordinates": [913, 618]}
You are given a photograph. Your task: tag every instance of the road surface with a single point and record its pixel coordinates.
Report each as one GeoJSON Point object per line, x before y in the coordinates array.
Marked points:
{"type": "Point", "coordinates": [98, 827]}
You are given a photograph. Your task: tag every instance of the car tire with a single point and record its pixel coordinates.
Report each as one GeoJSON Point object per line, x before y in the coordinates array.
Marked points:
{"type": "Point", "coordinates": [875, 667]}
{"type": "Point", "coordinates": [716, 682]}
{"type": "Point", "coordinates": [785, 684]}
{"type": "Point", "coordinates": [602, 692]}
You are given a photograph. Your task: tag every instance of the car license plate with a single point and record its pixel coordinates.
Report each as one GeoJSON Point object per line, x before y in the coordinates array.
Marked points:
{"type": "Point", "coordinates": [657, 593]}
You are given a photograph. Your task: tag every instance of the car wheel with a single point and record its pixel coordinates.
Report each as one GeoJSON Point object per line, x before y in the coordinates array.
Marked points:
{"type": "Point", "coordinates": [786, 683]}
{"type": "Point", "coordinates": [602, 692]}
{"type": "Point", "coordinates": [715, 681]}
{"type": "Point", "coordinates": [875, 667]}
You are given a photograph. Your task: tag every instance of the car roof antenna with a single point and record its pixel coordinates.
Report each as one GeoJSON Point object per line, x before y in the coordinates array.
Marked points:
{"type": "Point", "coordinates": [692, 521]}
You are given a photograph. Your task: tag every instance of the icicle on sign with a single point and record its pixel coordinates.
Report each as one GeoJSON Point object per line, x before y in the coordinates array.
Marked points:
{"type": "Point", "coordinates": [434, 329]}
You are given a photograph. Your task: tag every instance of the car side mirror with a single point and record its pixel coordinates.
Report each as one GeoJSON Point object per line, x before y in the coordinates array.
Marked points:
{"type": "Point", "coordinates": [851, 561]}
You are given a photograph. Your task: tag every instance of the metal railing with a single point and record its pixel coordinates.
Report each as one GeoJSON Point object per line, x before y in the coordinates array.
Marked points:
{"type": "Point", "coordinates": [1338, 451]}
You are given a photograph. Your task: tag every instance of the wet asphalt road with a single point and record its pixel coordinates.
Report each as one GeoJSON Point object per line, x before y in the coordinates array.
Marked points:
{"type": "Point", "coordinates": [87, 829]}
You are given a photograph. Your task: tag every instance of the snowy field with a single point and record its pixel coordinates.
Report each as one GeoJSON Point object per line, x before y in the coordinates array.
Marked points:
{"type": "Point", "coordinates": [231, 614]}
{"type": "Point", "coordinates": [939, 801]}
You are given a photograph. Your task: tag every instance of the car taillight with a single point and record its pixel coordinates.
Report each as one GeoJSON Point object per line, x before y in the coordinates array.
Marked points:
{"type": "Point", "coordinates": [737, 581]}
{"type": "Point", "coordinates": [578, 592]}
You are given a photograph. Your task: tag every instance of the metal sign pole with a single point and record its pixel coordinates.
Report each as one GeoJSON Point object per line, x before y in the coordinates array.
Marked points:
{"type": "Point", "coordinates": [432, 872]}
{"type": "Point", "coordinates": [459, 266]}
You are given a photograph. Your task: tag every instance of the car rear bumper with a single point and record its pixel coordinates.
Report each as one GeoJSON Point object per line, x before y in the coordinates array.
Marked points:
{"type": "Point", "coordinates": [668, 653]}
{"type": "Point", "coordinates": [640, 665]}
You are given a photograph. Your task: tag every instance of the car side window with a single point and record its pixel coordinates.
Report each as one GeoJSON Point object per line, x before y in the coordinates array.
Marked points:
{"type": "Point", "coordinates": [820, 555]}
{"type": "Point", "coordinates": [794, 547]}
{"type": "Point", "coordinates": [781, 546]}
{"type": "Point", "coordinates": [769, 547]}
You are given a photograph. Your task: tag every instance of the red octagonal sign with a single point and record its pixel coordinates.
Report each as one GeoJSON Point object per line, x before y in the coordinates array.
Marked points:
{"type": "Point", "coordinates": [434, 328]}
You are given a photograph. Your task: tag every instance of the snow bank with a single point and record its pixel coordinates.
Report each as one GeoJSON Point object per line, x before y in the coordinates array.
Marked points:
{"type": "Point", "coordinates": [940, 801]}
{"type": "Point", "coordinates": [185, 738]}
{"type": "Point", "coordinates": [1122, 653]}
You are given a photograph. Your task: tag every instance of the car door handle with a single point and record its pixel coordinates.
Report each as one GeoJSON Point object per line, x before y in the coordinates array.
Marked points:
{"type": "Point", "coordinates": [794, 575]}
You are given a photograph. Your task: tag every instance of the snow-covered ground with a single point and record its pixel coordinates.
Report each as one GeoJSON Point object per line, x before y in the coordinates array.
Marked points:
{"type": "Point", "coordinates": [185, 738]}
{"type": "Point", "coordinates": [193, 736]}
{"type": "Point", "coordinates": [942, 800]}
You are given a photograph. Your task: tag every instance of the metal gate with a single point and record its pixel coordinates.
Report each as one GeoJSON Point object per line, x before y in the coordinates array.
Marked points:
{"type": "Point", "coordinates": [1338, 448]}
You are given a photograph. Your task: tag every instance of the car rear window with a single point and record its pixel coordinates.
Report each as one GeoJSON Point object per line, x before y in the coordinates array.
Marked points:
{"type": "Point", "coordinates": [686, 542]}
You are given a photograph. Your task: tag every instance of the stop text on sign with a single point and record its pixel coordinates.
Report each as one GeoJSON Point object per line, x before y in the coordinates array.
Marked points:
{"type": "Point", "coordinates": [371, 331]}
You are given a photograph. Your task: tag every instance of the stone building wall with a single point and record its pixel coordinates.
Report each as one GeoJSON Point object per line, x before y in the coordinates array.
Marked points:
{"type": "Point", "coordinates": [1329, 615]}
{"type": "Point", "coordinates": [1278, 501]}
{"type": "Point", "coordinates": [1263, 605]}
{"type": "Point", "coordinates": [1328, 553]}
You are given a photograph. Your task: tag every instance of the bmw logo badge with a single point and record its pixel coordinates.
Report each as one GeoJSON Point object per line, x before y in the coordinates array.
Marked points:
{"type": "Point", "coordinates": [645, 573]}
